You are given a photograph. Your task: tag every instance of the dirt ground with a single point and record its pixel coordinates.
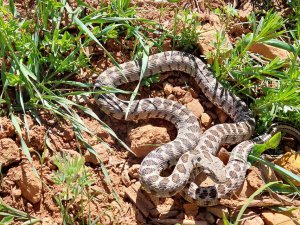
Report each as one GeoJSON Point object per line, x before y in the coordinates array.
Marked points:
{"type": "Point", "coordinates": [21, 189]}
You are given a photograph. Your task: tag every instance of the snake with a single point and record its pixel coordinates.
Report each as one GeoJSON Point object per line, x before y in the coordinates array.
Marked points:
{"type": "Point", "coordinates": [237, 162]}
{"type": "Point", "coordinates": [190, 151]}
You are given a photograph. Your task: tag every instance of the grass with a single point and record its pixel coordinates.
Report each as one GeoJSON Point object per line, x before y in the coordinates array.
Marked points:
{"type": "Point", "coordinates": [42, 55]}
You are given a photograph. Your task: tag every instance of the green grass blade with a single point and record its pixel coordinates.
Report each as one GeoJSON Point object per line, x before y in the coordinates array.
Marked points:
{"type": "Point", "coordinates": [250, 199]}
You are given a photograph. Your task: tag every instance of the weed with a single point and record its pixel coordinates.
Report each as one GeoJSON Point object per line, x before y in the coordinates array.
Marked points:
{"type": "Point", "coordinates": [74, 181]}
{"type": "Point", "coordinates": [186, 30]}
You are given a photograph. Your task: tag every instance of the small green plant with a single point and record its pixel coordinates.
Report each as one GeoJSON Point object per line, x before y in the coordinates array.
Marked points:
{"type": "Point", "coordinates": [186, 30]}
{"type": "Point", "coordinates": [244, 75]}
{"type": "Point", "coordinates": [74, 180]}
{"type": "Point", "coordinates": [249, 200]}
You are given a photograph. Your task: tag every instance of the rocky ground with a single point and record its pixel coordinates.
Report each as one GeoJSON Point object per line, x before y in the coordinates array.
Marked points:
{"type": "Point", "coordinates": [21, 189]}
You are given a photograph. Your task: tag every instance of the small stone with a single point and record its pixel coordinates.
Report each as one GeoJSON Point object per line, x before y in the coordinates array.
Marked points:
{"type": "Point", "coordinates": [168, 88]}
{"type": "Point", "coordinates": [29, 184]}
{"type": "Point", "coordinates": [9, 152]}
{"type": "Point", "coordinates": [218, 211]}
{"type": "Point", "coordinates": [269, 52]}
{"type": "Point", "coordinates": [186, 98]}
{"type": "Point", "coordinates": [125, 178]}
{"type": "Point", "coordinates": [224, 155]}
{"type": "Point", "coordinates": [134, 171]}
{"type": "Point", "coordinates": [291, 162]}
{"type": "Point", "coordinates": [190, 209]}
{"type": "Point", "coordinates": [222, 116]}
{"type": "Point", "coordinates": [245, 191]}
{"type": "Point", "coordinates": [102, 154]}
{"type": "Point", "coordinates": [195, 107]}
{"type": "Point", "coordinates": [245, 11]}
{"type": "Point", "coordinates": [178, 91]}
{"type": "Point", "coordinates": [274, 218]}
{"type": "Point", "coordinates": [208, 37]}
{"type": "Point", "coordinates": [16, 192]}
{"type": "Point", "coordinates": [172, 97]}
{"type": "Point", "coordinates": [146, 138]}
{"type": "Point", "coordinates": [253, 220]}
{"type": "Point", "coordinates": [7, 129]}
{"type": "Point", "coordinates": [206, 119]}
{"type": "Point", "coordinates": [254, 178]}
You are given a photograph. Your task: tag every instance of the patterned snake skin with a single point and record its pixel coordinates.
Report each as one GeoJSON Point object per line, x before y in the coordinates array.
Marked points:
{"type": "Point", "coordinates": [189, 152]}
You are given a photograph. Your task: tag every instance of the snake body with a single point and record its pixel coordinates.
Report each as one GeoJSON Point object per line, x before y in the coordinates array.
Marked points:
{"type": "Point", "coordinates": [190, 151]}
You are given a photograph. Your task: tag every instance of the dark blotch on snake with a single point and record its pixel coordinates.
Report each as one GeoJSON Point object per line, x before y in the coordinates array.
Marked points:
{"type": "Point", "coordinates": [228, 183]}
{"type": "Point", "coordinates": [207, 155]}
{"type": "Point", "coordinates": [153, 178]}
{"type": "Point", "coordinates": [175, 178]}
{"type": "Point", "coordinates": [221, 189]}
{"type": "Point", "coordinates": [233, 174]}
{"type": "Point", "coordinates": [185, 158]}
{"type": "Point", "coordinates": [213, 193]}
{"type": "Point", "coordinates": [203, 194]}
{"type": "Point", "coordinates": [181, 168]}
{"type": "Point", "coordinates": [211, 138]}
{"type": "Point", "coordinates": [208, 143]}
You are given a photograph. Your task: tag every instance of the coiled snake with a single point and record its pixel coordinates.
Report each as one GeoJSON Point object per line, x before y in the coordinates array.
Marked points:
{"type": "Point", "coordinates": [191, 152]}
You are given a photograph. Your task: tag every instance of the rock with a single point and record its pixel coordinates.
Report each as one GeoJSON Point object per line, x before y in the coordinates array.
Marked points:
{"type": "Point", "coordinates": [99, 131]}
{"type": "Point", "coordinates": [9, 152]}
{"type": "Point", "coordinates": [168, 88]}
{"type": "Point", "coordinates": [245, 10]}
{"type": "Point", "coordinates": [245, 191]}
{"type": "Point", "coordinates": [195, 107]}
{"type": "Point", "coordinates": [190, 209]}
{"type": "Point", "coordinates": [206, 119]}
{"type": "Point", "coordinates": [186, 98]}
{"type": "Point", "coordinates": [35, 137]}
{"type": "Point", "coordinates": [249, 217]}
{"type": "Point", "coordinates": [125, 178]}
{"type": "Point", "coordinates": [268, 174]}
{"type": "Point", "coordinates": [291, 162]}
{"type": "Point", "coordinates": [147, 138]}
{"type": "Point", "coordinates": [254, 178]}
{"type": "Point", "coordinates": [274, 218]}
{"type": "Point", "coordinates": [269, 52]}
{"type": "Point", "coordinates": [134, 171]}
{"type": "Point", "coordinates": [172, 97]}
{"type": "Point", "coordinates": [7, 129]}
{"type": "Point", "coordinates": [253, 220]}
{"type": "Point", "coordinates": [208, 37]}
{"type": "Point", "coordinates": [30, 185]}
{"type": "Point", "coordinates": [224, 155]}
{"type": "Point", "coordinates": [222, 116]}
{"type": "Point", "coordinates": [218, 211]}
{"type": "Point", "coordinates": [178, 91]}
{"type": "Point", "coordinates": [102, 154]}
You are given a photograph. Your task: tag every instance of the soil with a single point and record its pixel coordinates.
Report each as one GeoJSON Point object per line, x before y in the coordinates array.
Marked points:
{"type": "Point", "coordinates": [21, 189]}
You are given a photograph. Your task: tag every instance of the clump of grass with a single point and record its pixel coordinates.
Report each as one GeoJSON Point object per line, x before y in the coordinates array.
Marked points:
{"type": "Point", "coordinates": [276, 80]}
{"type": "Point", "coordinates": [11, 215]}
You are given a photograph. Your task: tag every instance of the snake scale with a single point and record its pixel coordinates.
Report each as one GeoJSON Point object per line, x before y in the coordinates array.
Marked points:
{"type": "Point", "coordinates": [190, 152]}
